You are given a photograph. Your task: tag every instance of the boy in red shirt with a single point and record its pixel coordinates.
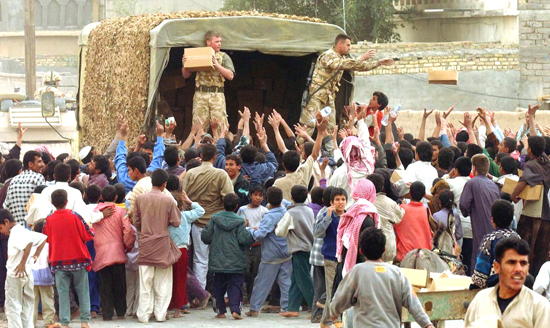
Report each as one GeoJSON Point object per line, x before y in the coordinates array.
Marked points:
{"type": "Point", "coordinates": [414, 229]}
{"type": "Point", "coordinates": [375, 109]}
{"type": "Point", "coordinates": [67, 236]}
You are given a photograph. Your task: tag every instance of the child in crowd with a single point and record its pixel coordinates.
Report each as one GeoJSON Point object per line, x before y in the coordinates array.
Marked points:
{"type": "Point", "coordinates": [228, 238]}
{"type": "Point", "coordinates": [316, 258]}
{"type": "Point", "coordinates": [93, 195]}
{"type": "Point", "coordinates": [377, 291]}
{"type": "Point", "coordinates": [326, 227]}
{"type": "Point", "coordinates": [297, 227]}
{"type": "Point", "coordinates": [132, 279]}
{"type": "Point", "coordinates": [69, 258]}
{"type": "Point", "coordinates": [448, 218]}
{"type": "Point", "coordinates": [414, 229]}
{"type": "Point", "coordinates": [190, 212]}
{"type": "Point", "coordinates": [19, 279]}
{"type": "Point", "coordinates": [113, 237]}
{"type": "Point", "coordinates": [276, 261]}
{"type": "Point", "coordinates": [252, 215]}
{"type": "Point", "coordinates": [43, 283]}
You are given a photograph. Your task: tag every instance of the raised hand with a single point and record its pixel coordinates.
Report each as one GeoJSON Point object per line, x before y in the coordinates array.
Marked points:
{"type": "Point", "coordinates": [438, 118]}
{"type": "Point", "coordinates": [324, 164]}
{"type": "Point", "coordinates": [400, 133]}
{"type": "Point", "coordinates": [533, 110]}
{"type": "Point", "coordinates": [386, 61]}
{"type": "Point", "coordinates": [445, 114]}
{"type": "Point", "coordinates": [197, 125]}
{"type": "Point", "coordinates": [467, 120]}
{"type": "Point", "coordinates": [160, 129]}
{"type": "Point", "coordinates": [214, 124]}
{"type": "Point", "coordinates": [369, 54]}
{"type": "Point", "coordinates": [301, 130]}
{"type": "Point", "coordinates": [273, 121]}
{"type": "Point", "coordinates": [426, 113]}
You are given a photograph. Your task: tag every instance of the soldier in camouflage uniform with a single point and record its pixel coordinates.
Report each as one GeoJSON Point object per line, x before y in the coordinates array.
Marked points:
{"type": "Point", "coordinates": [51, 82]}
{"type": "Point", "coordinates": [209, 100]}
{"type": "Point", "coordinates": [333, 63]}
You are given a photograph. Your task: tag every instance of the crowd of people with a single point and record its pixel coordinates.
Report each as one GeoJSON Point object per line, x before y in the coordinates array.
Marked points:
{"type": "Point", "coordinates": [302, 222]}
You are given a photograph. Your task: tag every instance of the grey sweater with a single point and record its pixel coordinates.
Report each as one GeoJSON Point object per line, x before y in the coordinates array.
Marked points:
{"type": "Point", "coordinates": [297, 227]}
{"type": "Point", "coordinates": [378, 292]}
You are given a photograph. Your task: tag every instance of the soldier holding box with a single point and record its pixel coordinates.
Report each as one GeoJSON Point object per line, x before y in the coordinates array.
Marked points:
{"type": "Point", "coordinates": [326, 78]}
{"type": "Point", "coordinates": [209, 100]}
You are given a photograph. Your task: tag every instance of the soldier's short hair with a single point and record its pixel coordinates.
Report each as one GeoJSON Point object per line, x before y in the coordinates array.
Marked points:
{"type": "Point", "coordinates": [341, 37]}
{"type": "Point", "coordinates": [211, 34]}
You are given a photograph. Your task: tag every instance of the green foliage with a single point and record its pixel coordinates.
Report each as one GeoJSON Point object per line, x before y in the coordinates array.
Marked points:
{"type": "Point", "coordinates": [370, 20]}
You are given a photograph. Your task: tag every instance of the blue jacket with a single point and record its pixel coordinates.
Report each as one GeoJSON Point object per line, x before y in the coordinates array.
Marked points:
{"type": "Point", "coordinates": [122, 168]}
{"type": "Point", "coordinates": [260, 172]}
{"type": "Point", "coordinates": [180, 235]}
{"type": "Point", "coordinates": [274, 248]}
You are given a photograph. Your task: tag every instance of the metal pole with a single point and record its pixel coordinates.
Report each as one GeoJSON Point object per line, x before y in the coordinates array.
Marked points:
{"type": "Point", "coordinates": [344, 13]}
{"type": "Point", "coordinates": [30, 50]}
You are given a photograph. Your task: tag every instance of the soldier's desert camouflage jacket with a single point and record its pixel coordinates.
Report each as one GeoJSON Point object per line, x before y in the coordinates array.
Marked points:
{"type": "Point", "coordinates": [215, 78]}
{"type": "Point", "coordinates": [329, 63]}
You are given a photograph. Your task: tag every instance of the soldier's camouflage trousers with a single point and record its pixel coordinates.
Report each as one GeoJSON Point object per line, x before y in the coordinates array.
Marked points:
{"type": "Point", "coordinates": [313, 106]}
{"type": "Point", "coordinates": [207, 105]}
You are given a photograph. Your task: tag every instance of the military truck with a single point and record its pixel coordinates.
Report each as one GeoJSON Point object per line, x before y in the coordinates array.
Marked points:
{"type": "Point", "coordinates": [127, 65]}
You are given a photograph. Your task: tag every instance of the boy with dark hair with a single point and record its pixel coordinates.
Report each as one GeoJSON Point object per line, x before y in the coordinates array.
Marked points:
{"type": "Point", "coordinates": [534, 223]}
{"type": "Point", "coordinates": [114, 236]}
{"type": "Point", "coordinates": [171, 157]}
{"type": "Point", "coordinates": [445, 160]}
{"type": "Point", "coordinates": [258, 172]}
{"type": "Point", "coordinates": [227, 236]}
{"type": "Point", "coordinates": [241, 186]}
{"type": "Point", "coordinates": [414, 229]}
{"type": "Point", "coordinates": [252, 215]}
{"type": "Point", "coordinates": [502, 214]}
{"type": "Point", "coordinates": [476, 199]}
{"type": "Point", "coordinates": [154, 212]}
{"type": "Point", "coordinates": [377, 291]}
{"type": "Point", "coordinates": [507, 169]}
{"type": "Point", "coordinates": [297, 227]}
{"type": "Point", "coordinates": [297, 174]}
{"type": "Point", "coordinates": [69, 258]}
{"type": "Point", "coordinates": [389, 214]}
{"type": "Point", "coordinates": [19, 304]}
{"type": "Point", "coordinates": [326, 227]}
{"type": "Point", "coordinates": [97, 170]}
{"type": "Point", "coordinates": [422, 170]}
{"type": "Point", "coordinates": [276, 261]}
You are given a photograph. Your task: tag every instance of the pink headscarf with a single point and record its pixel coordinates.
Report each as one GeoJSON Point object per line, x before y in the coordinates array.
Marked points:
{"type": "Point", "coordinates": [364, 195]}
{"type": "Point", "coordinates": [358, 157]}
{"type": "Point", "coordinates": [44, 148]}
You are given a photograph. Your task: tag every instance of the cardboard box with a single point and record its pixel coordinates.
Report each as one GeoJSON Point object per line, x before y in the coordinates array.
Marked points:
{"type": "Point", "coordinates": [443, 77]}
{"type": "Point", "coordinates": [528, 193]}
{"type": "Point", "coordinates": [199, 59]}
{"type": "Point", "coordinates": [450, 283]}
{"type": "Point", "coordinates": [395, 176]}
{"type": "Point", "coordinates": [417, 278]}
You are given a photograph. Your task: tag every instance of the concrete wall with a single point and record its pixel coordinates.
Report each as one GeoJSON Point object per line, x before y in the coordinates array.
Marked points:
{"type": "Point", "coordinates": [455, 4]}
{"type": "Point", "coordinates": [452, 28]}
{"type": "Point", "coordinates": [493, 89]}
{"type": "Point", "coordinates": [51, 43]}
{"type": "Point", "coordinates": [534, 42]}
{"type": "Point", "coordinates": [69, 82]}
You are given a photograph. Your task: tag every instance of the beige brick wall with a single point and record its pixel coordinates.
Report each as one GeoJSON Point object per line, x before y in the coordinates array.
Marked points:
{"type": "Point", "coordinates": [460, 56]}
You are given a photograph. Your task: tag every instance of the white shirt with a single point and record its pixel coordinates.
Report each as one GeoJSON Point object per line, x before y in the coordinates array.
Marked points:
{"type": "Point", "coordinates": [19, 239]}
{"type": "Point", "coordinates": [423, 172]}
{"type": "Point", "coordinates": [542, 283]}
{"type": "Point", "coordinates": [74, 202]}
{"type": "Point", "coordinates": [253, 215]}
{"type": "Point", "coordinates": [457, 186]}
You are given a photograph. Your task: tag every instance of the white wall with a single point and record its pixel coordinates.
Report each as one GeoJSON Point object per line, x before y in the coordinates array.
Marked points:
{"type": "Point", "coordinates": [148, 6]}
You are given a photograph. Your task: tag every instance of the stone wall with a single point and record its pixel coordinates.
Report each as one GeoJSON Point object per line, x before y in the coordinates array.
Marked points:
{"type": "Point", "coordinates": [534, 42]}
{"type": "Point", "coordinates": [489, 76]}
{"type": "Point", "coordinates": [460, 56]}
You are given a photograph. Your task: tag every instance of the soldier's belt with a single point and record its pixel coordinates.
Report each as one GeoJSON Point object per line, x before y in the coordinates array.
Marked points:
{"type": "Point", "coordinates": [204, 88]}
